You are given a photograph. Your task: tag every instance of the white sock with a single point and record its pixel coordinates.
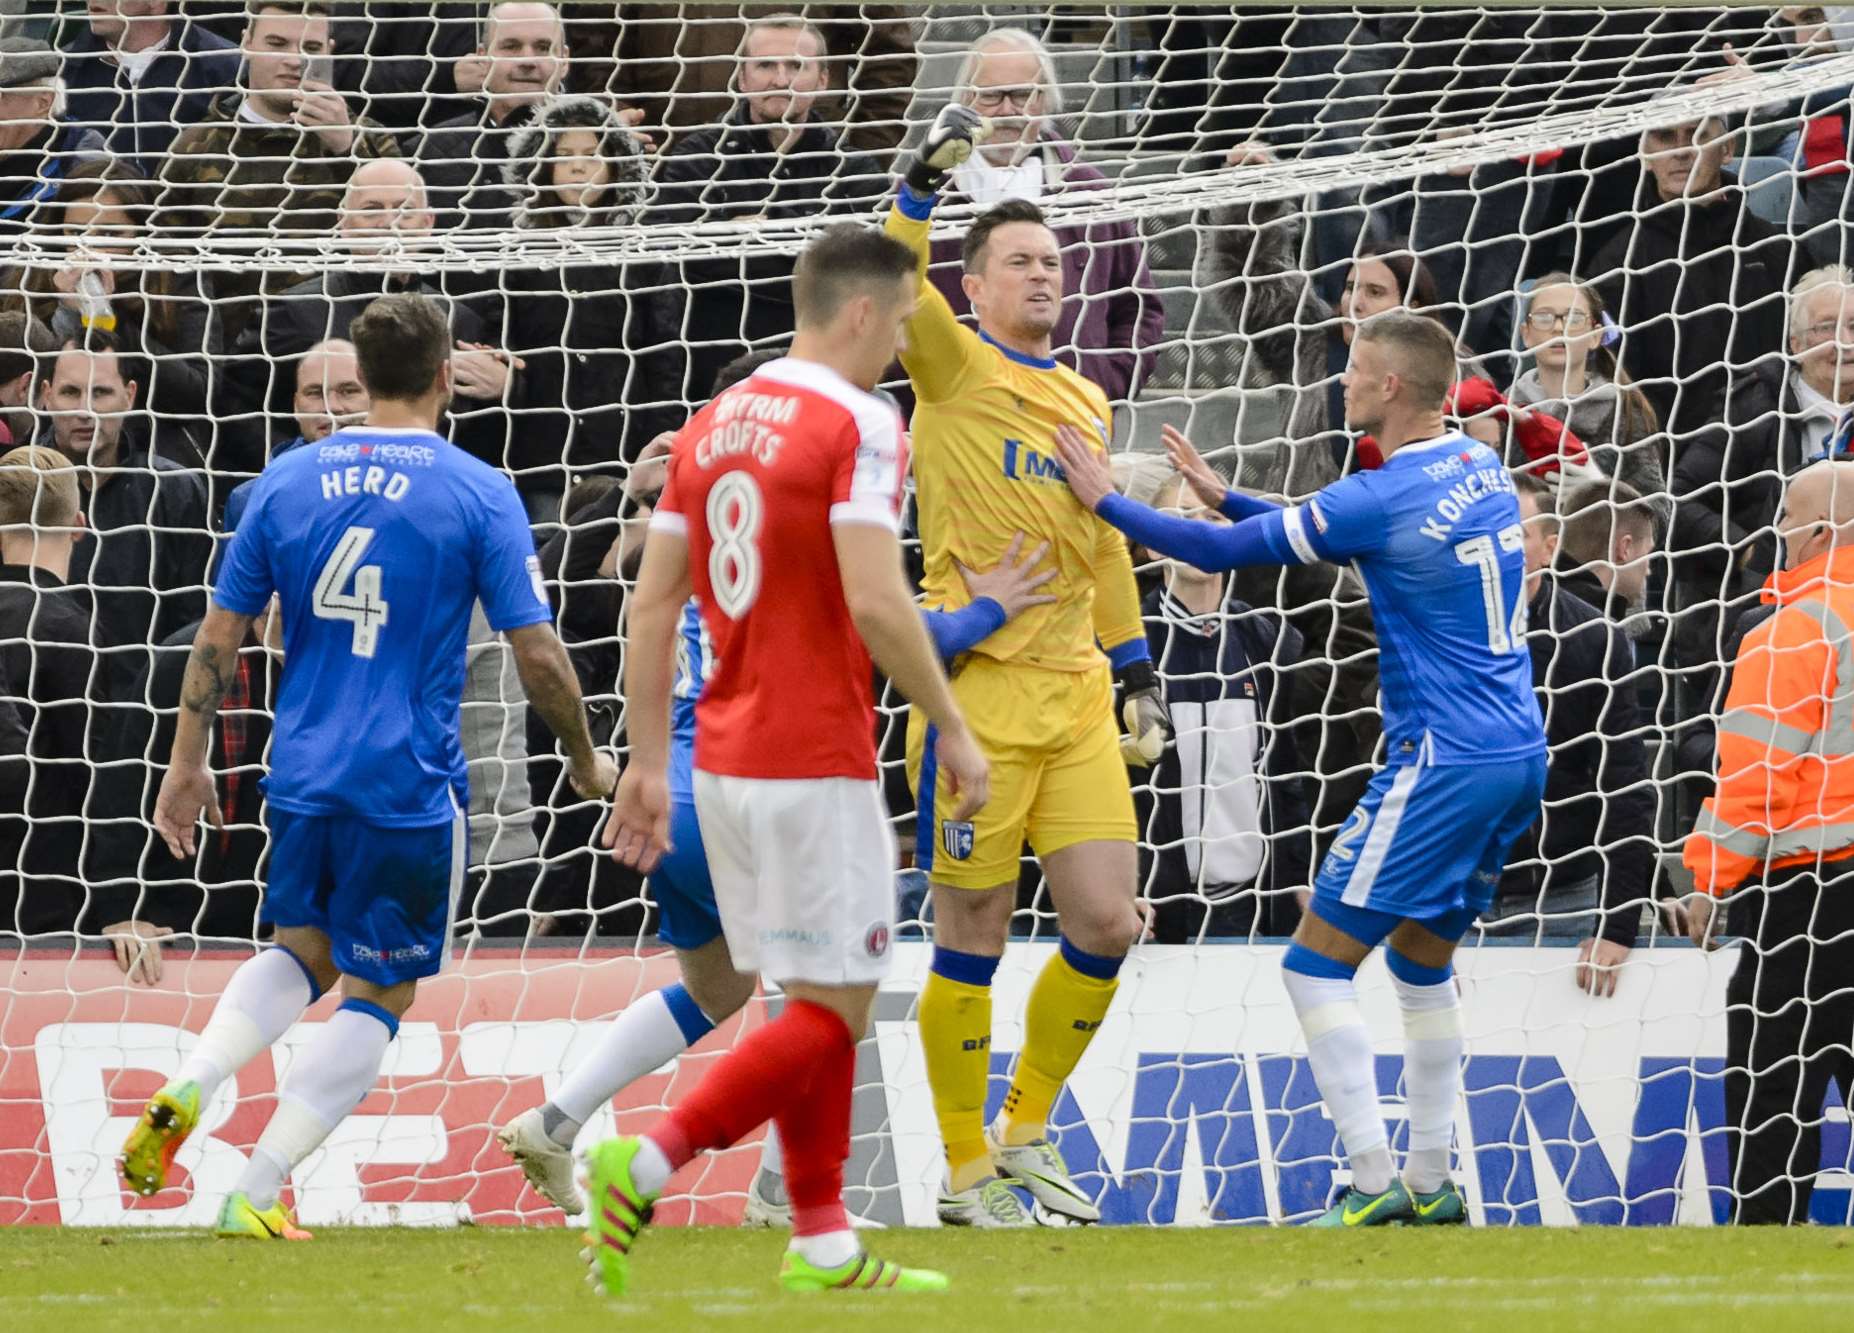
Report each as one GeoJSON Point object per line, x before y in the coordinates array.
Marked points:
{"type": "Point", "coordinates": [1339, 1049]}
{"type": "Point", "coordinates": [642, 1038]}
{"type": "Point", "coordinates": [327, 1081]}
{"type": "Point", "coordinates": [829, 1249]}
{"type": "Point", "coordinates": [265, 996]}
{"type": "Point", "coordinates": [1432, 1050]}
{"type": "Point", "coordinates": [772, 1156]}
{"type": "Point", "coordinates": [650, 1169]}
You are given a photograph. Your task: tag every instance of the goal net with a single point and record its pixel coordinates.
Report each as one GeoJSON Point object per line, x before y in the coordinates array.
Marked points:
{"type": "Point", "coordinates": [1632, 217]}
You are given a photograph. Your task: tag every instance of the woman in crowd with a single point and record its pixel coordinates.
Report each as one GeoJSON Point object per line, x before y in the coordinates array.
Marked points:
{"type": "Point", "coordinates": [1574, 376]}
{"type": "Point", "coordinates": [600, 378]}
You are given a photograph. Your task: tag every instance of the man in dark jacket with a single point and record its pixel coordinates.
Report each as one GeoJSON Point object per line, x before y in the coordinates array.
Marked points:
{"type": "Point", "coordinates": [773, 158]}
{"type": "Point", "coordinates": [523, 57]}
{"type": "Point", "coordinates": [138, 78]}
{"type": "Point", "coordinates": [146, 554]}
{"type": "Point", "coordinates": [1697, 283]}
{"type": "Point", "coordinates": [383, 199]}
{"type": "Point", "coordinates": [1728, 478]}
{"type": "Point", "coordinates": [329, 394]}
{"type": "Point", "coordinates": [36, 147]}
{"type": "Point", "coordinates": [62, 868]}
{"type": "Point", "coordinates": [397, 61]}
{"type": "Point", "coordinates": [1227, 840]}
{"type": "Point", "coordinates": [1585, 869]}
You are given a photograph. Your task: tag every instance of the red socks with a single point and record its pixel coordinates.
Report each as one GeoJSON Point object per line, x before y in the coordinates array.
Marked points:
{"type": "Point", "coordinates": [814, 1129]}
{"type": "Point", "coordinates": [799, 1068]}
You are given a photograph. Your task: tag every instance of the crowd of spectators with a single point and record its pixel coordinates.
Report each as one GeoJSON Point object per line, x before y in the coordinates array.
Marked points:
{"type": "Point", "coordinates": [1651, 343]}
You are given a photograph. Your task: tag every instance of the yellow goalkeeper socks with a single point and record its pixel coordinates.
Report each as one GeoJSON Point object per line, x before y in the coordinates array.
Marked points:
{"type": "Point", "coordinates": [955, 1027]}
{"type": "Point", "coordinates": [1067, 1004]}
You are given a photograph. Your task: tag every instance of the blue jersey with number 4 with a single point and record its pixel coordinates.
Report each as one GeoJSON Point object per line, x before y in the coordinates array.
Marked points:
{"type": "Point", "coordinates": [378, 544]}
{"type": "Point", "coordinates": [1436, 535]}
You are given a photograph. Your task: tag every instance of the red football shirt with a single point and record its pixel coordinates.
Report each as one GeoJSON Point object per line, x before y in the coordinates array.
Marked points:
{"type": "Point", "coordinates": [756, 481]}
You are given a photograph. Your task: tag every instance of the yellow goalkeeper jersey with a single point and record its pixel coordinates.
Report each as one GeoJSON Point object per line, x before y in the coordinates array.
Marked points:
{"type": "Point", "coordinates": [985, 469]}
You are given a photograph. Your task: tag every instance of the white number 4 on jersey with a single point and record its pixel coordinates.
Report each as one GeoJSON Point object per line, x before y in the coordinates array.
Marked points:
{"type": "Point", "coordinates": [365, 608]}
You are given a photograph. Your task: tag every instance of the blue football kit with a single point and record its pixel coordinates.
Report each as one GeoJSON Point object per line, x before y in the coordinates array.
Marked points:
{"type": "Point", "coordinates": [1436, 536]}
{"type": "Point", "coordinates": [377, 544]}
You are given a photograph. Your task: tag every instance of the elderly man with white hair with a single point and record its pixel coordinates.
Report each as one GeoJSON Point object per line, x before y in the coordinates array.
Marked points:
{"type": "Point", "coordinates": [1112, 320]}
{"type": "Point", "coordinates": [1728, 478]}
{"type": "Point", "coordinates": [37, 145]}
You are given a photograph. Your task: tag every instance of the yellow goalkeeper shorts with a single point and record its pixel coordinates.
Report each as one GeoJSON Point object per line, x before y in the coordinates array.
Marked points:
{"type": "Point", "coordinates": [1057, 777]}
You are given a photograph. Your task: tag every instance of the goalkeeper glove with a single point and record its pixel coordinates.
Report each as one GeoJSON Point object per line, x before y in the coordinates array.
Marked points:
{"type": "Point", "coordinates": [1149, 726]}
{"type": "Point", "coordinates": [949, 142]}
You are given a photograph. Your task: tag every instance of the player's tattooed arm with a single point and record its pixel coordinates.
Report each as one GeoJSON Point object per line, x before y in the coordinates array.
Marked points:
{"type": "Point", "coordinates": [208, 679]}
{"type": "Point", "coordinates": [188, 792]}
{"type": "Point", "coordinates": [547, 675]}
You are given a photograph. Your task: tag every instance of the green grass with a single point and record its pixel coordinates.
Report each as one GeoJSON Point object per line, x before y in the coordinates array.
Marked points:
{"type": "Point", "coordinates": [1070, 1281]}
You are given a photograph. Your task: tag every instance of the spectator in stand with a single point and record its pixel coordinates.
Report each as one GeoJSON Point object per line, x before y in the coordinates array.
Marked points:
{"type": "Point", "coordinates": [58, 868]}
{"type": "Point", "coordinates": [1697, 281]}
{"type": "Point", "coordinates": [329, 394]}
{"type": "Point", "coordinates": [107, 206]}
{"type": "Point", "coordinates": [1227, 838]}
{"type": "Point", "coordinates": [678, 63]}
{"type": "Point", "coordinates": [1585, 869]}
{"type": "Point", "coordinates": [385, 204]}
{"type": "Point", "coordinates": [145, 556]}
{"type": "Point", "coordinates": [1575, 378]}
{"type": "Point", "coordinates": [1112, 320]}
{"type": "Point", "coordinates": [38, 144]}
{"type": "Point", "coordinates": [396, 60]}
{"type": "Point", "coordinates": [596, 339]}
{"type": "Point", "coordinates": [521, 62]}
{"type": "Point", "coordinates": [139, 73]}
{"type": "Point", "coordinates": [274, 155]}
{"type": "Point", "coordinates": [772, 158]}
{"type": "Point", "coordinates": [23, 340]}
{"type": "Point", "coordinates": [1771, 837]}
{"type": "Point", "coordinates": [277, 153]}
{"type": "Point", "coordinates": [1728, 480]}
{"type": "Point", "coordinates": [1605, 545]}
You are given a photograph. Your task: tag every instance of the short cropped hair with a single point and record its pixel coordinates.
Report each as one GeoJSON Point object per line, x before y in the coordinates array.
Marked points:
{"type": "Point", "coordinates": [1543, 499]}
{"type": "Point", "coordinates": [1424, 352]}
{"type": "Point", "coordinates": [23, 340]}
{"type": "Point", "coordinates": [92, 342]}
{"type": "Point", "coordinates": [1595, 511]}
{"type": "Point", "coordinates": [400, 342]}
{"type": "Point", "coordinates": [844, 262]}
{"type": "Point", "coordinates": [972, 251]}
{"type": "Point", "coordinates": [311, 9]}
{"type": "Point", "coordinates": [38, 488]}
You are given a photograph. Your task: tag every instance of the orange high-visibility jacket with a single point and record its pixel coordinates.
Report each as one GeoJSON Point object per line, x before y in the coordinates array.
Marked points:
{"type": "Point", "coordinates": [1786, 742]}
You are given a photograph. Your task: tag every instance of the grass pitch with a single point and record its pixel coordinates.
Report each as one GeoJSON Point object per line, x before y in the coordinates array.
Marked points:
{"type": "Point", "coordinates": [1070, 1281]}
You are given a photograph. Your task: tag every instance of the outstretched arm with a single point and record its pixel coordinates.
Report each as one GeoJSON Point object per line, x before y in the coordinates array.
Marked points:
{"type": "Point", "coordinates": [1264, 539]}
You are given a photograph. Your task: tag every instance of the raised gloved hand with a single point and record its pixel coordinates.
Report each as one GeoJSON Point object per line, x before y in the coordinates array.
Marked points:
{"type": "Point", "coordinates": [1142, 708]}
{"type": "Point", "coordinates": [949, 142]}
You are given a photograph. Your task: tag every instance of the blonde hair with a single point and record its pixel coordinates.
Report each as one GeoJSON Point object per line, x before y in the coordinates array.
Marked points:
{"type": "Point", "coordinates": [38, 488]}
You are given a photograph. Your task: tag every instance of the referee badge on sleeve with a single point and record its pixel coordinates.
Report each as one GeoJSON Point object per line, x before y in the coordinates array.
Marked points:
{"type": "Point", "coordinates": [956, 838]}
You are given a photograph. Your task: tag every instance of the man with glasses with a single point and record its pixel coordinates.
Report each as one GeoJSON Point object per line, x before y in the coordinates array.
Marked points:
{"type": "Point", "coordinates": [1729, 478]}
{"type": "Point", "coordinates": [1112, 320]}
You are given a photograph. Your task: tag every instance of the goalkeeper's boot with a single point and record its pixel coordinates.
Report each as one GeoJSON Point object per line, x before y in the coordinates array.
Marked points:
{"type": "Point", "coordinates": [619, 1213]}
{"type": "Point", "coordinates": [240, 1217]}
{"type": "Point", "coordinates": [863, 1273]}
{"type": "Point", "coordinates": [1039, 1168]}
{"type": "Point", "coordinates": [548, 1166]}
{"type": "Point", "coordinates": [148, 1152]}
{"type": "Point", "coordinates": [768, 1205]}
{"type": "Point", "coordinates": [1447, 1207]}
{"type": "Point", "coordinates": [1355, 1208]}
{"type": "Point", "coordinates": [990, 1203]}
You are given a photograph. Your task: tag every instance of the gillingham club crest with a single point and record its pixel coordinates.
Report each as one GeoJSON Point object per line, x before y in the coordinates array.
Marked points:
{"type": "Point", "coordinates": [956, 839]}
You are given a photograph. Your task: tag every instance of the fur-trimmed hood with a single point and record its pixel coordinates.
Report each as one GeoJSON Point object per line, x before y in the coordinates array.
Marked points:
{"type": "Point", "coordinates": [531, 147]}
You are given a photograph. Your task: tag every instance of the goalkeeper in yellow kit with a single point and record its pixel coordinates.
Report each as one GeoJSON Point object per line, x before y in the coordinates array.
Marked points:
{"type": "Point", "coordinates": [1039, 695]}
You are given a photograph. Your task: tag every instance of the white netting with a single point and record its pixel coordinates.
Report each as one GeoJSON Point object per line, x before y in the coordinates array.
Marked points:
{"type": "Point", "coordinates": [1229, 185]}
